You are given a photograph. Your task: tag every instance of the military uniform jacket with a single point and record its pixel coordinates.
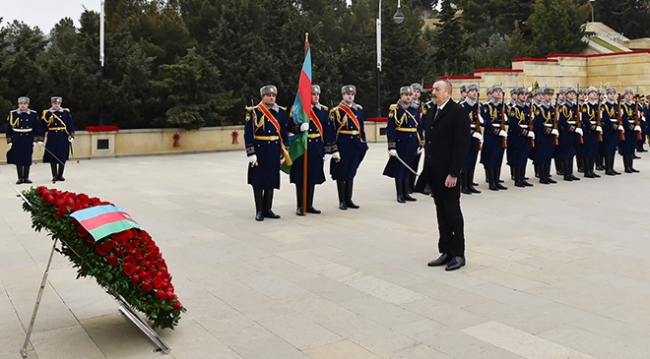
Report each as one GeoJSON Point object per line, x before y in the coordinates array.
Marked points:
{"type": "Point", "coordinates": [629, 116]}
{"type": "Point", "coordinates": [567, 120]}
{"type": "Point", "coordinates": [350, 140]}
{"type": "Point", "coordinates": [609, 118]}
{"type": "Point", "coordinates": [403, 123]}
{"type": "Point", "coordinates": [59, 128]}
{"type": "Point", "coordinates": [494, 116]}
{"type": "Point", "coordinates": [473, 112]}
{"type": "Point", "coordinates": [544, 117]}
{"type": "Point", "coordinates": [518, 120]}
{"type": "Point", "coordinates": [23, 129]}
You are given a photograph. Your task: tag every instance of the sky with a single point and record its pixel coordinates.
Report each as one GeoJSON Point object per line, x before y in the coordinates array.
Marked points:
{"type": "Point", "coordinates": [44, 13]}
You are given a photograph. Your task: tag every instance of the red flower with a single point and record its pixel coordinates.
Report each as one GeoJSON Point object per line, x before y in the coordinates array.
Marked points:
{"type": "Point", "coordinates": [129, 268]}
{"type": "Point", "coordinates": [118, 251]}
{"type": "Point", "coordinates": [178, 305]}
{"type": "Point", "coordinates": [135, 279]}
{"type": "Point", "coordinates": [146, 286]}
{"type": "Point", "coordinates": [157, 282]}
{"type": "Point", "coordinates": [112, 260]}
{"type": "Point", "coordinates": [161, 295]}
{"type": "Point", "coordinates": [102, 249]}
{"type": "Point", "coordinates": [81, 232]}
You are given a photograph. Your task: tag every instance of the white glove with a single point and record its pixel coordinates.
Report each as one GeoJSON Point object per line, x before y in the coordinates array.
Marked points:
{"type": "Point", "coordinates": [281, 160]}
{"type": "Point", "coordinates": [480, 119]}
{"type": "Point", "coordinates": [420, 149]}
{"type": "Point", "coordinates": [579, 131]}
{"type": "Point", "coordinates": [599, 129]}
{"type": "Point", "coordinates": [478, 136]}
{"type": "Point", "coordinates": [34, 144]}
{"type": "Point", "coordinates": [336, 155]}
{"type": "Point", "coordinates": [304, 127]}
{"type": "Point", "coordinates": [637, 128]}
{"type": "Point", "coordinates": [10, 144]}
{"type": "Point", "coordinates": [40, 143]}
{"type": "Point", "coordinates": [621, 128]}
{"type": "Point", "coordinates": [531, 134]}
{"type": "Point", "coordinates": [70, 139]}
{"type": "Point", "coordinates": [252, 159]}
{"type": "Point", "coordinates": [555, 132]}
{"type": "Point", "coordinates": [392, 153]}
{"type": "Point", "coordinates": [503, 133]}
{"type": "Point", "coordinates": [327, 157]}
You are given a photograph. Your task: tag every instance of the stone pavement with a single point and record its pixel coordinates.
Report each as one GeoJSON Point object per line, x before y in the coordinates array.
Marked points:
{"type": "Point", "coordinates": [554, 272]}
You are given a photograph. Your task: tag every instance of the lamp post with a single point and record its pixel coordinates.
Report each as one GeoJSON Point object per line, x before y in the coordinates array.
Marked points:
{"type": "Point", "coordinates": [100, 122]}
{"type": "Point", "coordinates": [592, 9]}
{"type": "Point", "coordinates": [398, 18]}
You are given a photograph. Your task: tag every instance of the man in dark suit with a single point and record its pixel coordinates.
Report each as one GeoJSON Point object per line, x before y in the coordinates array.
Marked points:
{"type": "Point", "coordinates": [447, 139]}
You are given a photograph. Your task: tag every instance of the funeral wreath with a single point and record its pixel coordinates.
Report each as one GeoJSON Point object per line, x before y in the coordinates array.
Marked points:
{"type": "Point", "coordinates": [127, 263]}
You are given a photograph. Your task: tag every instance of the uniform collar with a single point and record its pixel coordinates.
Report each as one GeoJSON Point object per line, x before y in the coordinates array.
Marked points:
{"type": "Point", "coordinates": [629, 102]}
{"type": "Point", "coordinates": [611, 102]}
{"type": "Point", "coordinates": [403, 105]}
{"type": "Point", "coordinates": [318, 106]}
{"type": "Point", "coordinates": [592, 102]}
{"type": "Point", "coordinates": [275, 107]}
{"type": "Point", "coordinates": [351, 105]}
{"type": "Point", "coordinates": [53, 110]}
{"type": "Point", "coordinates": [470, 102]}
{"type": "Point", "coordinates": [28, 111]}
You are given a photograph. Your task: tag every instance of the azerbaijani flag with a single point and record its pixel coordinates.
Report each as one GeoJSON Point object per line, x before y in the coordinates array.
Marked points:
{"type": "Point", "coordinates": [301, 108]}
{"type": "Point", "coordinates": [102, 221]}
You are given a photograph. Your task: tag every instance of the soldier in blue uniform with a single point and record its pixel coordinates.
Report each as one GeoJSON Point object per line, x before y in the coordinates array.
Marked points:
{"type": "Point", "coordinates": [23, 133]}
{"type": "Point", "coordinates": [493, 112]}
{"type": "Point", "coordinates": [582, 97]}
{"type": "Point", "coordinates": [266, 138]}
{"type": "Point", "coordinates": [347, 118]}
{"type": "Point", "coordinates": [417, 93]}
{"type": "Point", "coordinates": [545, 135]}
{"type": "Point", "coordinates": [643, 108]}
{"type": "Point", "coordinates": [536, 100]}
{"type": "Point", "coordinates": [569, 134]}
{"type": "Point", "coordinates": [519, 137]}
{"type": "Point", "coordinates": [473, 109]}
{"type": "Point", "coordinates": [463, 94]}
{"type": "Point", "coordinates": [321, 147]}
{"type": "Point", "coordinates": [611, 130]}
{"type": "Point", "coordinates": [514, 96]}
{"type": "Point", "coordinates": [404, 131]}
{"type": "Point", "coordinates": [600, 159]}
{"type": "Point", "coordinates": [628, 115]}
{"type": "Point", "coordinates": [60, 134]}
{"type": "Point", "coordinates": [559, 101]}
{"type": "Point", "coordinates": [590, 112]}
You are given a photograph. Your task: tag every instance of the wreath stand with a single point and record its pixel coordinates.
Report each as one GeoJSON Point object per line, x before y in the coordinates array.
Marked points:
{"type": "Point", "coordinates": [124, 307]}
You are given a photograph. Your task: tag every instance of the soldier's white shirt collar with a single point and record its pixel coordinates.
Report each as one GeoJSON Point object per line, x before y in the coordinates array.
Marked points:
{"type": "Point", "coordinates": [318, 106]}
{"type": "Point", "coordinates": [470, 102]}
{"type": "Point", "coordinates": [53, 110]}
{"type": "Point", "coordinates": [593, 102]}
{"type": "Point", "coordinates": [275, 107]}
{"type": "Point", "coordinates": [611, 102]}
{"type": "Point", "coordinates": [546, 104]}
{"type": "Point", "coordinates": [350, 105]}
{"type": "Point", "coordinates": [27, 111]}
{"type": "Point", "coordinates": [403, 105]}
{"type": "Point", "coordinates": [629, 102]}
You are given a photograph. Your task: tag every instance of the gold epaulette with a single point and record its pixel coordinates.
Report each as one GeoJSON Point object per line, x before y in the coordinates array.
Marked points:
{"type": "Point", "coordinates": [248, 108]}
{"type": "Point", "coordinates": [66, 109]}
{"type": "Point", "coordinates": [360, 107]}
{"type": "Point", "coordinates": [393, 107]}
{"type": "Point", "coordinates": [324, 108]}
{"type": "Point", "coordinates": [282, 108]}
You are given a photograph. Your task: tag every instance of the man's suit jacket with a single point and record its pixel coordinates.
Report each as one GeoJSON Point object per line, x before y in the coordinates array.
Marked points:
{"type": "Point", "coordinates": [447, 140]}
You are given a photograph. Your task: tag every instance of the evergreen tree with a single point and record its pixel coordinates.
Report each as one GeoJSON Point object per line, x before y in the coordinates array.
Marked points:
{"type": "Point", "coordinates": [450, 42]}
{"type": "Point", "coordinates": [562, 35]}
{"type": "Point", "coordinates": [629, 17]}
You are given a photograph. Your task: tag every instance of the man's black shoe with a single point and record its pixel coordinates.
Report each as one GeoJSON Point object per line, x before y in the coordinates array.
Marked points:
{"type": "Point", "coordinates": [441, 261]}
{"type": "Point", "coordinates": [455, 263]}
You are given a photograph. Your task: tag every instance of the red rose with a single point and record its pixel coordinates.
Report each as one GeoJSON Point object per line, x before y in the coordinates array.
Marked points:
{"type": "Point", "coordinates": [161, 295]}
{"type": "Point", "coordinates": [112, 260]}
{"type": "Point", "coordinates": [135, 279]}
{"type": "Point", "coordinates": [81, 232]}
{"type": "Point", "coordinates": [102, 249]}
{"type": "Point", "coordinates": [170, 295]}
{"type": "Point", "coordinates": [157, 282]}
{"type": "Point", "coordinates": [146, 286]}
{"type": "Point", "coordinates": [128, 269]}
{"type": "Point", "coordinates": [118, 251]}
{"type": "Point", "coordinates": [178, 305]}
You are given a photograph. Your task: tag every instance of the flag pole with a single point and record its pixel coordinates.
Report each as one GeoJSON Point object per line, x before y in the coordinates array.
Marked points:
{"type": "Point", "coordinates": [305, 154]}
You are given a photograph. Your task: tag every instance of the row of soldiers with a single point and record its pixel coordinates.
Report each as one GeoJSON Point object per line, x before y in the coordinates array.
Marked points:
{"type": "Point", "coordinates": [588, 125]}
{"type": "Point", "coordinates": [26, 129]}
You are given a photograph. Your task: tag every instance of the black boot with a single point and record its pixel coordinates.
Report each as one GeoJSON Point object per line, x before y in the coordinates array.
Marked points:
{"type": "Point", "coordinates": [349, 186]}
{"type": "Point", "coordinates": [405, 192]}
{"type": "Point", "coordinates": [411, 183]}
{"type": "Point", "coordinates": [537, 170]}
{"type": "Point", "coordinates": [310, 200]}
{"type": "Point", "coordinates": [259, 204]}
{"type": "Point", "coordinates": [512, 173]}
{"type": "Point", "coordinates": [592, 164]}
{"type": "Point", "coordinates": [580, 164]}
{"type": "Point", "coordinates": [518, 177]}
{"type": "Point", "coordinates": [565, 169]}
{"type": "Point", "coordinates": [299, 198]}
{"type": "Point", "coordinates": [626, 162]}
{"type": "Point", "coordinates": [399, 187]}
{"type": "Point", "coordinates": [487, 180]}
{"type": "Point", "coordinates": [463, 183]}
{"type": "Point", "coordinates": [26, 174]}
{"type": "Point", "coordinates": [340, 187]}
{"type": "Point", "coordinates": [559, 167]}
{"type": "Point", "coordinates": [470, 182]}
{"type": "Point", "coordinates": [524, 179]}
{"type": "Point", "coordinates": [613, 161]}
{"type": "Point", "coordinates": [547, 169]}
{"type": "Point", "coordinates": [632, 165]}
{"type": "Point", "coordinates": [268, 203]}
{"type": "Point", "coordinates": [490, 173]}
{"type": "Point", "coordinates": [570, 169]}
{"type": "Point", "coordinates": [60, 173]}
{"type": "Point", "coordinates": [639, 146]}
{"type": "Point", "coordinates": [599, 163]}
{"type": "Point", "coordinates": [19, 170]}
{"type": "Point", "coordinates": [55, 174]}
{"type": "Point", "coordinates": [609, 166]}
{"type": "Point", "coordinates": [588, 169]}
{"type": "Point", "coordinates": [497, 181]}
{"type": "Point", "coordinates": [427, 190]}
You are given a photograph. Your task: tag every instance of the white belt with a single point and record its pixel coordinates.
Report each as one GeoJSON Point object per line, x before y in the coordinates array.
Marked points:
{"type": "Point", "coordinates": [613, 120]}
{"type": "Point", "coordinates": [548, 124]}
{"type": "Point", "coordinates": [472, 126]}
{"type": "Point", "coordinates": [631, 121]}
{"type": "Point", "coordinates": [593, 122]}
{"type": "Point", "coordinates": [571, 122]}
{"type": "Point", "coordinates": [22, 130]}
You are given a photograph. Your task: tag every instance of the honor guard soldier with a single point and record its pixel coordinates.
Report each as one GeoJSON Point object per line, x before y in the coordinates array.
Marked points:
{"type": "Point", "coordinates": [643, 109]}
{"type": "Point", "coordinates": [347, 118]}
{"type": "Point", "coordinates": [404, 132]}
{"type": "Point", "coordinates": [23, 133]}
{"type": "Point", "coordinates": [265, 135]}
{"type": "Point", "coordinates": [592, 131]}
{"type": "Point", "coordinates": [321, 147]}
{"type": "Point", "coordinates": [537, 100]}
{"type": "Point", "coordinates": [416, 100]}
{"type": "Point", "coordinates": [630, 121]}
{"type": "Point", "coordinates": [559, 101]}
{"type": "Point", "coordinates": [463, 94]}
{"type": "Point", "coordinates": [613, 130]}
{"type": "Point", "coordinates": [570, 133]}
{"type": "Point", "coordinates": [520, 138]}
{"type": "Point", "coordinates": [60, 134]}
{"type": "Point", "coordinates": [473, 109]}
{"type": "Point", "coordinates": [493, 112]}
{"type": "Point", "coordinates": [546, 135]}
{"type": "Point", "coordinates": [600, 164]}
{"type": "Point", "coordinates": [582, 97]}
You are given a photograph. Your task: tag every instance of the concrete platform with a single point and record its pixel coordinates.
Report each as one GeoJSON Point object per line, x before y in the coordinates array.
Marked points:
{"type": "Point", "coordinates": [554, 271]}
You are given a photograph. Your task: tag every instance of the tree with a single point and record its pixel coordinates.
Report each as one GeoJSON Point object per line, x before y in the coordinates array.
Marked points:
{"type": "Point", "coordinates": [450, 42]}
{"type": "Point", "coordinates": [562, 35]}
{"type": "Point", "coordinates": [629, 17]}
